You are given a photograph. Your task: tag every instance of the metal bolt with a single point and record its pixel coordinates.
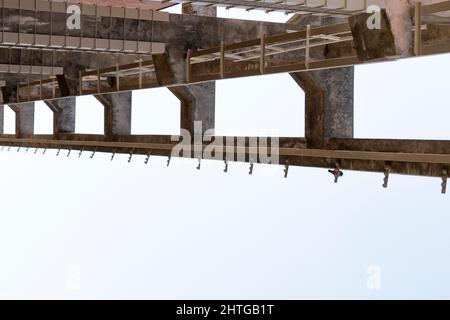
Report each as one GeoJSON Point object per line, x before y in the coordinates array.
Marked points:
{"type": "Point", "coordinates": [286, 169]}
{"type": "Point", "coordinates": [444, 181]}
{"type": "Point", "coordinates": [387, 171]}
{"type": "Point", "coordinates": [337, 173]}
{"type": "Point", "coordinates": [147, 158]}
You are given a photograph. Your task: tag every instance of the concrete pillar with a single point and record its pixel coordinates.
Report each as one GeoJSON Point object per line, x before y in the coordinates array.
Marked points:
{"type": "Point", "coordinates": [198, 101]}
{"type": "Point", "coordinates": [64, 113]}
{"type": "Point", "coordinates": [401, 25]}
{"type": "Point", "coordinates": [328, 104]}
{"type": "Point", "coordinates": [24, 119]}
{"type": "Point", "coordinates": [117, 113]}
{"type": "Point", "coordinates": [197, 104]}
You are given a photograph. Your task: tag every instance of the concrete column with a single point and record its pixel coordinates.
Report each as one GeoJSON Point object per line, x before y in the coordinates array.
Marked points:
{"type": "Point", "coordinates": [328, 104]}
{"type": "Point", "coordinates": [24, 118]}
{"type": "Point", "coordinates": [198, 101]}
{"type": "Point", "coordinates": [117, 113]}
{"type": "Point", "coordinates": [197, 104]}
{"type": "Point", "coordinates": [64, 112]}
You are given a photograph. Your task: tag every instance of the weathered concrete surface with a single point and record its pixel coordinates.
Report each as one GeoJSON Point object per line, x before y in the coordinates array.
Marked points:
{"type": "Point", "coordinates": [371, 44]}
{"type": "Point", "coordinates": [179, 33]}
{"type": "Point", "coordinates": [24, 119]}
{"type": "Point", "coordinates": [328, 104]}
{"type": "Point", "coordinates": [328, 94]}
{"type": "Point", "coordinates": [197, 104]}
{"type": "Point", "coordinates": [64, 115]}
{"type": "Point", "coordinates": [197, 100]}
{"type": "Point", "coordinates": [117, 113]}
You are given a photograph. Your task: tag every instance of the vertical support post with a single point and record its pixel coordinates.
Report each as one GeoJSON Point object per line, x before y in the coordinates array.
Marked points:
{"type": "Point", "coordinates": [117, 113]}
{"type": "Point", "coordinates": [262, 59]}
{"type": "Point", "coordinates": [307, 46]}
{"type": "Point", "coordinates": [222, 59]}
{"type": "Point", "coordinates": [24, 119]}
{"type": "Point", "coordinates": [54, 83]}
{"type": "Point", "coordinates": [188, 66]}
{"type": "Point", "coordinates": [98, 80]}
{"type": "Point", "coordinates": [64, 112]}
{"type": "Point", "coordinates": [328, 104]}
{"type": "Point", "coordinates": [418, 29]}
{"type": "Point", "coordinates": [140, 72]}
{"type": "Point", "coordinates": [81, 84]}
{"type": "Point", "coordinates": [117, 78]}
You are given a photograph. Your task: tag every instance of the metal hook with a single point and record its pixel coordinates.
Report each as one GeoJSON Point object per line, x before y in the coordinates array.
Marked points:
{"type": "Point", "coordinates": [250, 172]}
{"type": "Point", "coordinates": [79, 154]}
{"type": "Point", "coordinates": [45, 150]}
{"type": "Point", "coordinates": [387, 171]}
{"type": "Point", "coordinates": [129, 157]}
{"type": "Point", "coordinates": [168, 160]}
{"type": "Point", "coordinates": [93, 154]}
{"type": "Point", "coordinates": [26, 150]}
{"type": "Point", "coordinates": [199, 163]}
{"type": "Point", "coordinates": [18, 149]}
{"type": "Point", "coordinates": [444, 181]}
{"type": "Point", "coordinates": [147, 158]}
{"type": "Point", "coordinates": [68, 153]}
{"type": "Point", "coordinates": [226, 166]}
{"type": "Point", "coordinates": [57, 153]}
{"type": "Point", "coordinates": [337, 173]}
{"type": "Point", "coordinates": [286, 169]}
{"type": "Point", "coordinates": [113, 155]}
{"type": "Point", "coordinates": [36, 150]}
{"type": "Point", "coordinates": [9, 148]}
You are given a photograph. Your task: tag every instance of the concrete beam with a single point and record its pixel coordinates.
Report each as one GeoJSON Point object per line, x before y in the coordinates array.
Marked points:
{"type": "Point", "coordinates": [328, 104]}
{"type": "Point", "coordinates": [117, 113]}
{"type": "Point", "coordinates": [24, 119]}
{"type": "Point", "coordinates": [64, 113]}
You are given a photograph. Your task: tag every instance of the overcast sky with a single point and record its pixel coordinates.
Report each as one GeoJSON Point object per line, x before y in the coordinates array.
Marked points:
{"type": "Point", "coordinates": [92, 228]}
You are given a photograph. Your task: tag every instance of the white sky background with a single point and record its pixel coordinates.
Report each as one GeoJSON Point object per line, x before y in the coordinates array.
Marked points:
{"type": "Point", "coordinates": [137, 231]}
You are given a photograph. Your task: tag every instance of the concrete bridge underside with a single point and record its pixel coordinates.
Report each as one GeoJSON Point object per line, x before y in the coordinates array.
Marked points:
{"type": "Point", "coordinates": [120, 50]}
